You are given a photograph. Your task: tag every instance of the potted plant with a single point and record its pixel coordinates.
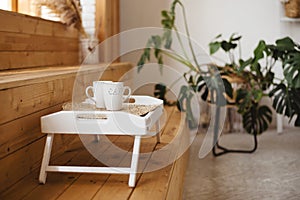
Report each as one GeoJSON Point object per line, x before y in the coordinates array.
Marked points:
{"type": "Point", "coordinates": [256, 72]}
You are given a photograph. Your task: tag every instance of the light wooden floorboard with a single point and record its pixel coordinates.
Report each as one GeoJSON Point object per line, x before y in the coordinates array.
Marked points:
{"type": "Point", "coordinates": [154, 184]}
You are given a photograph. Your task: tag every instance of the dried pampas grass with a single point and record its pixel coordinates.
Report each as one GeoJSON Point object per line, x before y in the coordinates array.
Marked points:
{"type": "Point", "coordinates": [69, 11]}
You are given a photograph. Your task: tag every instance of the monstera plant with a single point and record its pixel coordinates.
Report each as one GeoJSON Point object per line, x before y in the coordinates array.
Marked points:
{"type": "Point", "coordinates": [256, 74]}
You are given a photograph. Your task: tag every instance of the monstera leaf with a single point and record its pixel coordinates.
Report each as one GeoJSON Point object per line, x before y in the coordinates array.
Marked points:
{"type": "Point", "coordinates": [257, 119]}
{"type": "Point", "coordinates": [184, 104]}
{"type": "Point", "coordinates": [287, 101]}
{"type": "Point", "coordinates": [212, 85]}
{"type": "Point", "coordinates": [292, 70]}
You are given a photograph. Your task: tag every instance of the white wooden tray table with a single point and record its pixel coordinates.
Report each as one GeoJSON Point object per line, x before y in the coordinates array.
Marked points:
{"type": "Point", "coordinates": [97, 123]}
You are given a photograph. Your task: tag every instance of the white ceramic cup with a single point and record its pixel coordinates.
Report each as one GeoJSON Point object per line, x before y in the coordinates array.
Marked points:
{"type": "Point", "coordinates": [97, 90]}
{"type": "Point", "coordinates": [114, 95]}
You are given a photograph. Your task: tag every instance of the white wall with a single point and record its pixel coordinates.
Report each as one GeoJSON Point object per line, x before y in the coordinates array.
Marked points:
{"type": "Point", "coordinates": [253, 19]}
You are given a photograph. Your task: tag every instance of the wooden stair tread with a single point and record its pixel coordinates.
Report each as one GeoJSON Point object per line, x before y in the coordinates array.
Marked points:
{"type": "Point", "coordinates": [165, 183]}
{"type": "Point", "coordinates": [21, 77]}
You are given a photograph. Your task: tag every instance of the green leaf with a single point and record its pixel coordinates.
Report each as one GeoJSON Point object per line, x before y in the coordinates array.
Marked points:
{"type": "Point", "coordinates": [165, 14]}
{"type": "Point", "coordinates": [160, 62]}
{"type": "Point", "coordinates": [292, 70]}
{"type": "Point", "coordinates": [218, 36]}
{"type": "Point", "coordinates": [244, 64]}
{"type": "Point", "coordinates": [285, 44]}
{"type": "Point", "coordinates": [156, 39]}
{"type": "Point", "coordinates": [143, 58]}
{"type": "Point", "coordinates": [257, 94]}
{"type": "Point", "coordinates": [214, 47]}
{"type": "Point", "coordinates": [167, 37]}
{"type": "Point", "coordinates": [228, 87]}
{"type": "Point", "coordinates": [257, 119]}
{"type": "Point", "coordinates": [259, 51]}
{"type": "Point", "coordinates": [243, 101]}
{"type": "Point", "coordinates": [268, 80]}
{"type": "Point", "coordinates": [296, 81]}
{"type": "Point", "coordinates": [183, 95]}
{"type": "Point", "coordinates": [227, 46]}
{"type": "Point", "coordinates": [205, 94]}
{"type": "Point", "coordinates": [286, 100]}
{"type": "Point", "coordinates": [234, 37]}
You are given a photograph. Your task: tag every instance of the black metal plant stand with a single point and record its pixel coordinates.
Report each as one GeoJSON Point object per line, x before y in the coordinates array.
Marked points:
{"type": "Point", "coordinates": [225, 150]}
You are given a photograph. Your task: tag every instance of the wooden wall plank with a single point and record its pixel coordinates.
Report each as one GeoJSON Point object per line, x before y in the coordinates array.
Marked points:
{"type": "Point", "coordinates": [24, 161]}
{"type": "Point", "coordinates": [37, 59]}
{"type": "Point", "coordinates": [27, 159]}
{"type": "Point", "coordinates": [23, 131]}
{"type": "Point", "coordinates": [29, 42]}
{"type": "Point", "coordinates": [21, 101]}
{"type": "Point", "coordinates": [30, 181]}
{"type": "Point", "coordinates": [19, 23]}
{"type": "Point", "coordinates": [19, 164]}
{"type": "Point", "coordinates": [25, 41]}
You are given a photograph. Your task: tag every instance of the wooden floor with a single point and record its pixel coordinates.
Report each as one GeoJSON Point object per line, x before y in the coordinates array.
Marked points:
{"type": "Point", "coordinates": [272, 172]}
{"type": "Point", "coordinates": [165, 183]}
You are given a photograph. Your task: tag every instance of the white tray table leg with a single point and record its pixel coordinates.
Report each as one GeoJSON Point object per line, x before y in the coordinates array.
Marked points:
{"type": "Point", "coordinates": [46, 158]}
{"type": "Point", "coordinates": [134, 161]}
{"type": "Point", "coordinates": [157, 127]}
{"type": "Point", "coordinates": [97, 138]}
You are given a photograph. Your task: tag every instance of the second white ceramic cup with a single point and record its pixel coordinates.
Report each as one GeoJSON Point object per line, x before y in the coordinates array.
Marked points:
{"type": "Point", "coordinates": [113, 93]}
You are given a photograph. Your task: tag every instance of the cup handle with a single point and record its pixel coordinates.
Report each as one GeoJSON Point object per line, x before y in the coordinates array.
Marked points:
{"type": "Point", "coordinates": [87, 93]}
{"type": "Point", "coordinates": [129, 93]}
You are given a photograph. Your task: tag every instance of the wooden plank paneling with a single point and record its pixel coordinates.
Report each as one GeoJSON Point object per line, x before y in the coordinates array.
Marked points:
{"type": "Point", "coordinates": [29, 42]}
{"type": "Point", "coordinates": [37, 59]}
{"type": "Point", "coordinates": [20, 163]}
{"type": "Point", "coordinates": [19, 23]}
{"type": "Point", "coordinates": [30, 181]}
{"type": "Point", "coordinates": [21, 101]}
{"type": "Point", "coordinates": [25, 160]}
{"type": "Point", "coordinates": [23, 131]}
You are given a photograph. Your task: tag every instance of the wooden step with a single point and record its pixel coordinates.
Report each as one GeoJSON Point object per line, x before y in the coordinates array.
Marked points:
{"type": "Point", "coordinates": [164, 183]}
